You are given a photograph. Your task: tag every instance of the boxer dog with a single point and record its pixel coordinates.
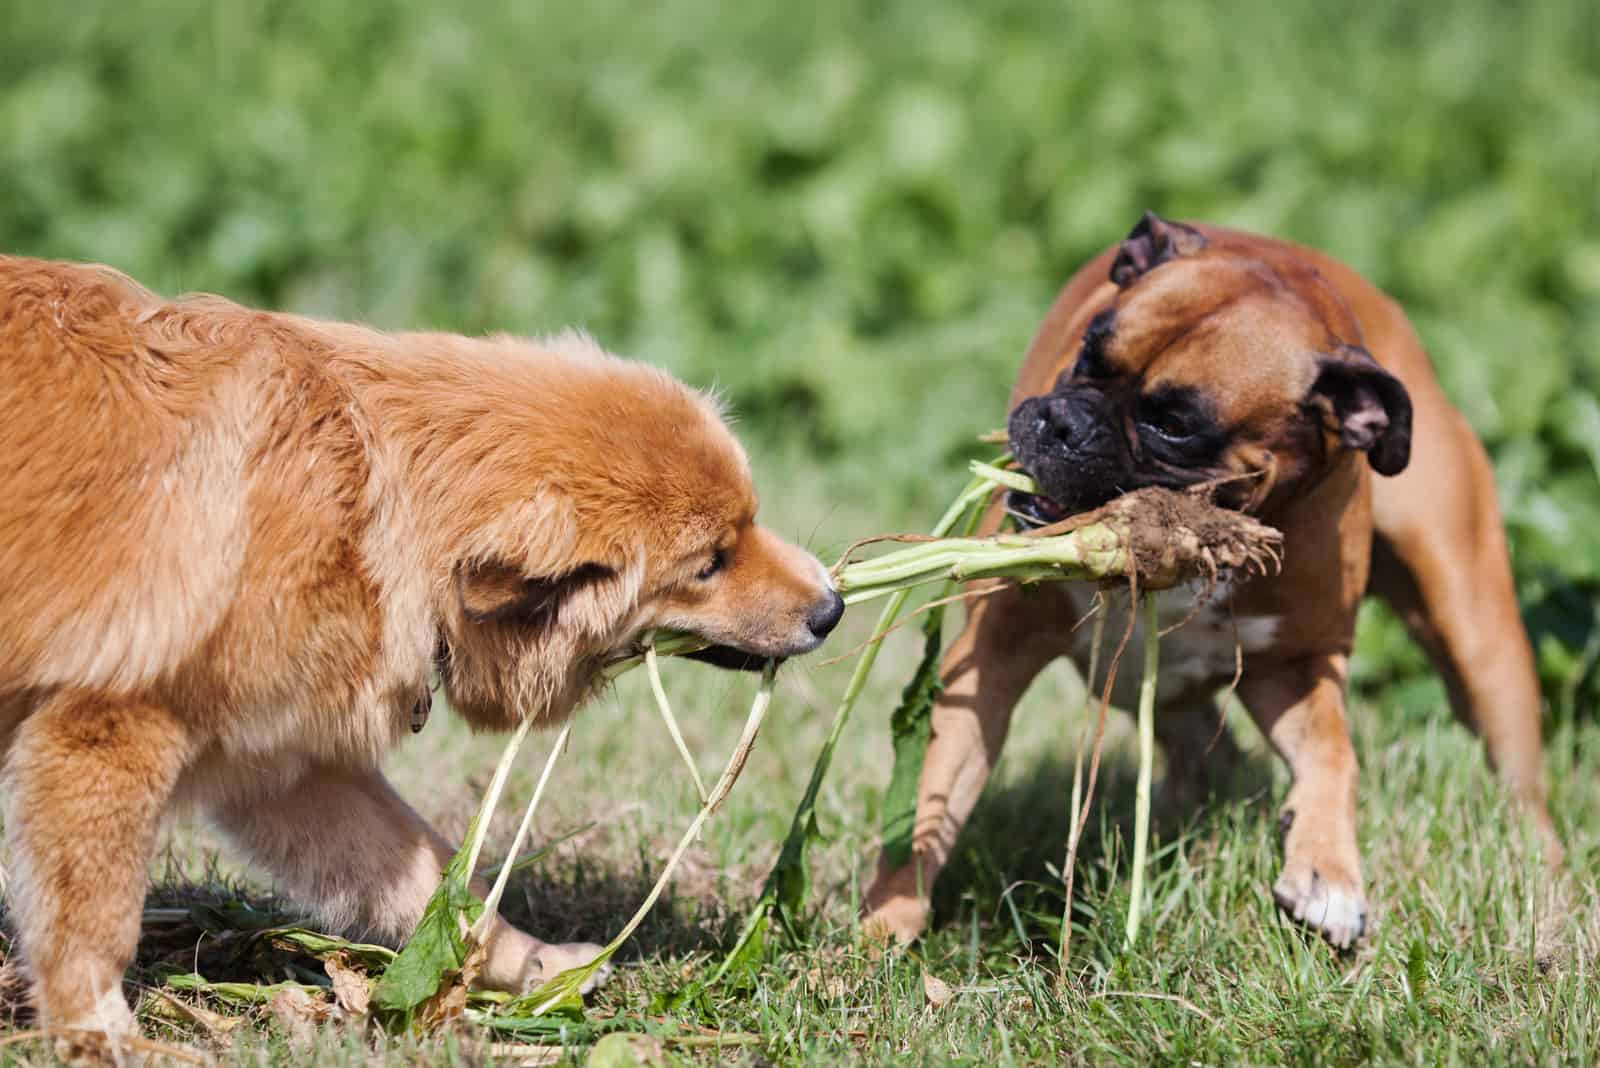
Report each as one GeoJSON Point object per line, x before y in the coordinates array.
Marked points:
{"type": "Point", "coordinates": [1193, 354]}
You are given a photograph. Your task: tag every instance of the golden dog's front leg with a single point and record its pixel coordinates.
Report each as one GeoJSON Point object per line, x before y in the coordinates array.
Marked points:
{"type": "Point", "coordinates": [1008, 640]}
{"type": "Point", "coordinates": [1299, 706]}
{"type": "Point", "coordinates": [345, 845]}
{"type": "Point", "coordinates": [85, 784]}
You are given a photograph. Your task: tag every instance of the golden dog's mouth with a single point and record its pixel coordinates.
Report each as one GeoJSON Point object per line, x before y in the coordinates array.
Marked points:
{"type": "Point", "coordinates": [683, 646]}
{"type": "Point", "coordinates": [729, 658]}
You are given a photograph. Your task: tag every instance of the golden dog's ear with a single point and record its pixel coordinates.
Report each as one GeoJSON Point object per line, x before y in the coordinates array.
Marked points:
{"type": "Point", "coordinates": [493, 591]}
{"type": "Point", "coordinates": [1151, 243]}
{"type": "Point", "coordinates": [1368, 407]}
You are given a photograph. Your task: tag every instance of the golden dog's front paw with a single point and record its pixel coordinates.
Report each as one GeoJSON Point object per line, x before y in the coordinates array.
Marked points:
{"type": "Point", "coordinates": [1328, 903]}
{"type": "Point", "coordinates": [100, 1036]}
{"type": "Point", "coordinates": [551, 959]}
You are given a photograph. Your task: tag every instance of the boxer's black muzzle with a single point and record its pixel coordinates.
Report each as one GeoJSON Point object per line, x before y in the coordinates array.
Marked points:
{"type": "Point", "coordinates": [1071, 442]}
{"type": "Point", "coordinates": [1086, 442]}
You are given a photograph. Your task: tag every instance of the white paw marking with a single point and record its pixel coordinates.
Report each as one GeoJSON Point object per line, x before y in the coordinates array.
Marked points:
{"type": "Point", "coordinates": [1337, 913]}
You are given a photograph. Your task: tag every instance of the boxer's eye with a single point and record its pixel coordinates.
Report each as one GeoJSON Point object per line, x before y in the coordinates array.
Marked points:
{"type": "Point", "coordinates": [1178, 427]}
{"type": "Point", "coordinates": [1170, 419]}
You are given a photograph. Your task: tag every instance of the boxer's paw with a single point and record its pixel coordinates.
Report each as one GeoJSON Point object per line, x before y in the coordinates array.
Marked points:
{"type": "Point", "coordinates": [550, 959]}
{"type": "Point", "coordinates": [1320, 885]}
{"type": "Point", "coordinates": [1334, 909]}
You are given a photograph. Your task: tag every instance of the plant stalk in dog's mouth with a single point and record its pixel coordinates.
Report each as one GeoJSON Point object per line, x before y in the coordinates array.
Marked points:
{"type": "Point", "coordinates": [446, 950]}
{"type": "Point", "coordinates": [564, 988]}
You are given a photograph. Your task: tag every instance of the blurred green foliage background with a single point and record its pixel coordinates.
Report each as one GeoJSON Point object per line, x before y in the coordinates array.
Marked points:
{"type": "Point", "coordinates": [851, 216]}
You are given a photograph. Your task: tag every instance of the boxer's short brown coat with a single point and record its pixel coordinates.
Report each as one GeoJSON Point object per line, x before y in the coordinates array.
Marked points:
{"type": "Point", "coordinates": [1194, 353]}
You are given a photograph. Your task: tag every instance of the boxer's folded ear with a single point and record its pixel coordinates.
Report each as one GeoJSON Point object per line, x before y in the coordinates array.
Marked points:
{"type": "Point", "coordinates": [1369, 408]}
{"type": "Point", "coordinates": [1151, 243]}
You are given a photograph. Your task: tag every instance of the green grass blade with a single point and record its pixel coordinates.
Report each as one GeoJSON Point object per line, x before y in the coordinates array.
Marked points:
{"type": "Point", "coordinates": [1147, 744]}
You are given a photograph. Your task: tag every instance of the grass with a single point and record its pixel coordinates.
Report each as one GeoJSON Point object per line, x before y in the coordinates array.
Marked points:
{"type": "Point", "coordinates": [1479, 957]}
{"type": "Point", "coordinates": [851, 217]}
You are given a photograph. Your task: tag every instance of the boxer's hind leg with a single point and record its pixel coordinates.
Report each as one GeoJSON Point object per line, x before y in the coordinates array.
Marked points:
{"type": "Point", "coordinates": [1201, 753]}
{"type": "Point", "coordinates": [86, 781]}
{"type": "Point", "coordinates": [1009, 638]}
{"type": "Point", "coordinates": [1440, 560]}
{"type": "Point", "coordinates": [345, 845]}
{"type": "Point", "coordinates": [1300, 706]}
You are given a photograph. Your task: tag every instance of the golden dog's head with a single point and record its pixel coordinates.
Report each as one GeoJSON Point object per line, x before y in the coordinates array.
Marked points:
{"type": "Point", "coordinates": [584, 500]}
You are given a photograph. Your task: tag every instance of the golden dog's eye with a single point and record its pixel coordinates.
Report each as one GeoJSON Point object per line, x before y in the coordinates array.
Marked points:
{"type": "Point", "coordinates": [719, 560]}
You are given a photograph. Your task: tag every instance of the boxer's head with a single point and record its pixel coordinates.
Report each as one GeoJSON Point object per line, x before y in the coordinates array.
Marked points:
{"type": "Point", "coordinates": [1213, 358]}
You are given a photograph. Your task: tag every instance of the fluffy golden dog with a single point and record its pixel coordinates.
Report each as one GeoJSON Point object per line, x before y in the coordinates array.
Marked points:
{"type": "Point", "coordinates": [234, 544]}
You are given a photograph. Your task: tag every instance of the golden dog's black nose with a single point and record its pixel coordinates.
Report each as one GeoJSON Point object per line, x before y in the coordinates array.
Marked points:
{"type": "Point", "coordinates": [825, 616]}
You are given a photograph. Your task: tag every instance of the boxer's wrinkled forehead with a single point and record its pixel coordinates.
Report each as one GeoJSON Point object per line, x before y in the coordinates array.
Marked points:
{"type": "Point", "coordinates": [1221, 328]}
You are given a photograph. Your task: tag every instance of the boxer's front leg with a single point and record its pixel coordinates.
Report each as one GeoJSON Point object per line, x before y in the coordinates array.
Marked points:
{"type": "Point", "coordinates": [1300, 706]}
{"type": "Point", "coordinates": [1009, 638]}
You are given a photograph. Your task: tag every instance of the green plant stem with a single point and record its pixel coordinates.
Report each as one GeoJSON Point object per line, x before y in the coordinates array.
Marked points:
{"type": "Point", "coordinates": [1147, 745]}
{"type": "Point", "coordinates": [1001, 477]}
{"type": "Point", "coordinates": [974, 494]}
{"type": "Point", "coordinates": [969, 501]}
{"type": "Point", "coordinates": [565, 985]}
{"type": "Point", "coordinates": [1096, 640]}
{"type": "Point", "coordinates": [1091, 552]}
{"type": "Point", "coordinates": [653, 667]}
{"type": "Point", "coordinates": [491, 904]}
{"type": "Point", "coordinates": [480, 825]}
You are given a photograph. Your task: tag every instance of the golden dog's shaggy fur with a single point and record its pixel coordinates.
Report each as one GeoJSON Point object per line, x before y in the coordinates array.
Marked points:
{"type": "Point", "coordinates": [234, 544]}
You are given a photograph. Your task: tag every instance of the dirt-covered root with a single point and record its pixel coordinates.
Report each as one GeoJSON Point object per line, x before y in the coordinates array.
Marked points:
{"type": "Point", "coordinates": [1178, 535]}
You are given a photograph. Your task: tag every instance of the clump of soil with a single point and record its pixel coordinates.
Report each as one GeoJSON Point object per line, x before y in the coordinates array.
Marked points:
{"type": "Point", "coordinates": [1178, 535]}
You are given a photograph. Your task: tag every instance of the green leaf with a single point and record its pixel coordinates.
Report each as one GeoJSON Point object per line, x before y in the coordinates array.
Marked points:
{"type": "Point", "coordinates": [322, 946]}
{"type": "Point", "coordinates": [518, 1014]}
{"type": "Point", "coordinates": [911, 725]}
{"type": "Point", "coordinates": [237, 994]}
{"type": "Point", "coordinates": [437, 947]}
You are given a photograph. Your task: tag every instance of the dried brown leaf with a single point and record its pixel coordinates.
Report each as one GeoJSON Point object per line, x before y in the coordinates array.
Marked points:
{"type": "Point", "coordinates": [352, 990]}
{"type": "Point", "coordinates": [936, 990]}
{"type": "Point", "coordinates": [216, 1025]}
{"type": "Point", "coordinates": [448, 1005]}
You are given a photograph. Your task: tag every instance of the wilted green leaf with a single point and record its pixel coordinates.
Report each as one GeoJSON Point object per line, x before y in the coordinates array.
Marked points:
{"type": "Point", "coordinates": [911, 725]}
{"type": "Point", "coordinates": [436, 950]}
